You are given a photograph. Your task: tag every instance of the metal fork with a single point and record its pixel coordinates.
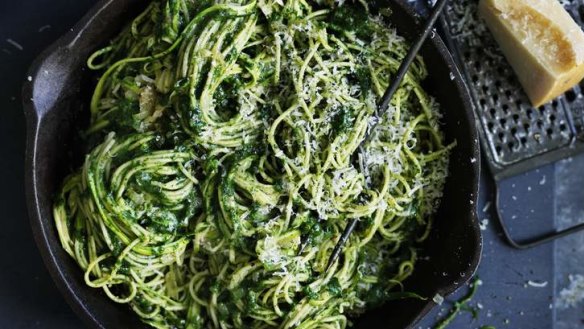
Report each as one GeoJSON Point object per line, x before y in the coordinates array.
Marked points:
{"type": "Point", "coordinates": [382, 107]}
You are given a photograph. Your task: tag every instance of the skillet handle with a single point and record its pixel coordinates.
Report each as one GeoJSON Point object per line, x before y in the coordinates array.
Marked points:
{"type": "Point", "coordinates": [59, 67]}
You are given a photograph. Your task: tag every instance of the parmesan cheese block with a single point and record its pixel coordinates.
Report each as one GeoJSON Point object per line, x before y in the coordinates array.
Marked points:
{"type": "Point", "coordinates": [542, 43]}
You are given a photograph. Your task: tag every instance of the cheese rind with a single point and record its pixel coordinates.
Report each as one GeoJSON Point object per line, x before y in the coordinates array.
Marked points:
{"type": "Point", "coordinates": [541, 41]}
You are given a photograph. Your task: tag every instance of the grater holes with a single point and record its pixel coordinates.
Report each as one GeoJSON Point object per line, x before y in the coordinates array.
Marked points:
{"type": "Point", "coordinates": [490, 126]}
{"type": "Point", "coordinates": [493, 113]}
{"type": "Point", "coordinates": [478, 66]}
{"type": "Point", "coordinates": [495, 99]}
{"type": "Point", "coordinates": [549, 132]}
{"type": "Point", "coordinates": [493, 75]}
{"type": "Point", "coordinates": [571, 96]}
{"type": "Point", "coordinates": [511, 146]}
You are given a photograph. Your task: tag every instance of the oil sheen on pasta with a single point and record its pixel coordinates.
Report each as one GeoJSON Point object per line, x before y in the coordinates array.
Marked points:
{"type": "Point", "coordinates": [224, 133]}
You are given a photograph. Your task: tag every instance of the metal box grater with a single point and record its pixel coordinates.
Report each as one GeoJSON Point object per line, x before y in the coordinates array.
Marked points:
{"type": "Point", "coordinates": [516, 137]}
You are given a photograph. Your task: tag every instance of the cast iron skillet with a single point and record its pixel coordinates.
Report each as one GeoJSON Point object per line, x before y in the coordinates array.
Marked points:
{"type": "Point", "coordinates": [56, 106]}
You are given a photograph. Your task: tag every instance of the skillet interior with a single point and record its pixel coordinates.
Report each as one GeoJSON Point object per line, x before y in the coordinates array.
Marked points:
{"type": "Point", "coordinates": [56, 107]}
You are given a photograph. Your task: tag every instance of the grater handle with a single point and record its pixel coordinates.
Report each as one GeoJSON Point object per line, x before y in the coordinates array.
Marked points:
{"type": "Point", "coordinates": [531, 242]}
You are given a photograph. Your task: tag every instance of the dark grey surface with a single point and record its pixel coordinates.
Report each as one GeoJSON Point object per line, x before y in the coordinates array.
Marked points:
{"type": "Point", "coordinates": [569, 251]}
{"type": "Point", "coordinates": [28, 298]}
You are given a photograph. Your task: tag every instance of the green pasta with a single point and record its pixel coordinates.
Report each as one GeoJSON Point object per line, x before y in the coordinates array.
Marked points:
{"type": "Point", "coordinates": [225, 133]}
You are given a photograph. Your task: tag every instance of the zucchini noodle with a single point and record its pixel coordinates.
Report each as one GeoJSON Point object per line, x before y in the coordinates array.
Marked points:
{"type": "Point", "coordinates": [225, 133]}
